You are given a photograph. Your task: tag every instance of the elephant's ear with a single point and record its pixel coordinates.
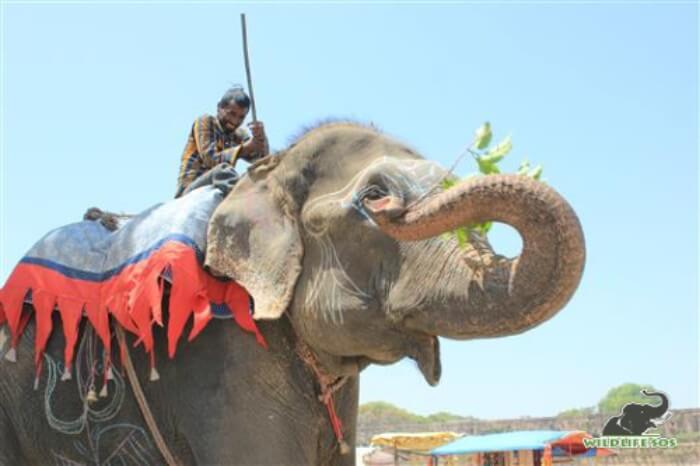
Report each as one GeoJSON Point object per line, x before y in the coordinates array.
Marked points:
{"type": "Point", "coordinates": [253, 238]}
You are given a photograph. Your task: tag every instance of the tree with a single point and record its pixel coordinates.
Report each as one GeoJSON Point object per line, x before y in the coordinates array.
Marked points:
{"type": "Point", "coordinates": [381, 412]}
{"type": "Point", "coordinates": [577, 412]}
{"type": "Point", "coordinates": [619, 396]}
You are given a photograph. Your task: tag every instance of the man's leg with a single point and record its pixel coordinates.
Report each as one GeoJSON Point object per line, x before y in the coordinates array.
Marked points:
{"type": "Point", "coordinates": [223, 176]}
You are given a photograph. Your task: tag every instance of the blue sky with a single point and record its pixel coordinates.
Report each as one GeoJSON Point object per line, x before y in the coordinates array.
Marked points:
{"type": "Point", "coordinates": [97, 101]}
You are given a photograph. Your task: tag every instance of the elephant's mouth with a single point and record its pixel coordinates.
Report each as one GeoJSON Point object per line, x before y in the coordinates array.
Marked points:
{"type": "Point", "coordinates": [423, 349]}
{"type": "Point", "coordinates": [426, 353]}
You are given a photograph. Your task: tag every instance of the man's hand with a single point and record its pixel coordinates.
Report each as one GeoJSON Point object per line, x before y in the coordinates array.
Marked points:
{"type": "Point", "coordinates": [257, 146]}
{"type": "Point", "coordinates": [257, 128]}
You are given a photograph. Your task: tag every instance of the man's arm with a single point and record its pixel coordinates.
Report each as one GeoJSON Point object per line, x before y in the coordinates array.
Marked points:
{"type": "Point", "coordinates": [205, 139]}
{"type": "Point", "coordinates": [256, 147]}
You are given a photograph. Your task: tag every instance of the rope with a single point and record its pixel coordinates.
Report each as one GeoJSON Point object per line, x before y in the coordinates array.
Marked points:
{"type": "Point", "coordinates": [335, 420]}
{"type": "Point", "coordinates": [141, 399]}
{"type": "Point", "coordinates": [329, 385]}
{"type": "Point", "coordinates": [449, 173]}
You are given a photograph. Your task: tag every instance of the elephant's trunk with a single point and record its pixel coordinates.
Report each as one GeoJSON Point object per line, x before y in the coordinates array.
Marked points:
{"type": "Point", "coordinates": [656, 412]}
{"type": "Point", "coordinates": [514, 295]}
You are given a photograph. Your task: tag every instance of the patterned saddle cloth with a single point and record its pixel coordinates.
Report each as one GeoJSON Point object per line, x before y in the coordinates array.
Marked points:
{"type": "Point", "coordinates": [84, 270]}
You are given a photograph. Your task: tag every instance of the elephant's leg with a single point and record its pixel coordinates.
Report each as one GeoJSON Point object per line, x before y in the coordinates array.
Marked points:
{"type": "Point", "coordinates": [10, 453]}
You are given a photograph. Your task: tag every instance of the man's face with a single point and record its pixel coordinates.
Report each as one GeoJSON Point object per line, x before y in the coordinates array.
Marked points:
{"type": "Point", "coordinates": [231, 116]}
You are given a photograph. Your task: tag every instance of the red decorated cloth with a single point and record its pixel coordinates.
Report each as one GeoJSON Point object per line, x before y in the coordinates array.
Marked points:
{"type": "Point", "coordinates": [84, 271]}
{"type": "Point", "coordinates": [133, 298]}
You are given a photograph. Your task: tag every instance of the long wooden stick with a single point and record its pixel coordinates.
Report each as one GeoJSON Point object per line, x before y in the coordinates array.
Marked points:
{"type": "Point", "coordinates": [247, 66]}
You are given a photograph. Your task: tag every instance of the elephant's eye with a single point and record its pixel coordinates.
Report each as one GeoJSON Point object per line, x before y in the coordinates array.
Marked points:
{"type": "Point", "coordinates": [373, 193]}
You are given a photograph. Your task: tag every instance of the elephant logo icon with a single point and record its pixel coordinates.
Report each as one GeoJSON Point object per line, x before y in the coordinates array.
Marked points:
{"type": "Point", "coordinates": [636, 419]}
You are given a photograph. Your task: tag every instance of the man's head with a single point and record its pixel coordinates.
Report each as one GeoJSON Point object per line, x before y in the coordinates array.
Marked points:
{"type": "Point", "coordinates": [233, 108]}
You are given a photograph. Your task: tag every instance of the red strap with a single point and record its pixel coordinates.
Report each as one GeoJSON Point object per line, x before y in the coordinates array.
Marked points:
{"type": "Point", "coordinates": [335, 420]}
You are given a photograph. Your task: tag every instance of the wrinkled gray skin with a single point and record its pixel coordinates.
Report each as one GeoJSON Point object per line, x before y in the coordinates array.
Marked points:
{"type": "Point", "coordinates": [340, 248]}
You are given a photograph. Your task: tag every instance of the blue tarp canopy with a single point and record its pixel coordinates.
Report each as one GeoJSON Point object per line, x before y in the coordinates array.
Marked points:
{"type": "Point", "coordinates": [506, 441]}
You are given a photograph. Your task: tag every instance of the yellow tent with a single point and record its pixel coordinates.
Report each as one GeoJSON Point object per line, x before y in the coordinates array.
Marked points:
{"type": "Point", "coordinates": [422, 441]}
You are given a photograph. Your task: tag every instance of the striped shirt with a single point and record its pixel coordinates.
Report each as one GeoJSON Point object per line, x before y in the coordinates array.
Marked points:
{"type": "Point", "coordinates": [208, 145]}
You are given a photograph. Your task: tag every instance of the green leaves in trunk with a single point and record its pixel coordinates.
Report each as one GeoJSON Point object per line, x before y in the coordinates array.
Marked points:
{"type": "Point", "coordinates": [482, 136]}
{"type": "Point", "coordinates": [487, 160]}
{"type": "Point", "coordinates": [525, 170]}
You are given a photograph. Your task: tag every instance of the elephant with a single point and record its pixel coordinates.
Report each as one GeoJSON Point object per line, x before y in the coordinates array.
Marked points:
{"type": "Point", "coordinates": [339, 240]}
{"type": "Point", "coordinates": [636, 419]}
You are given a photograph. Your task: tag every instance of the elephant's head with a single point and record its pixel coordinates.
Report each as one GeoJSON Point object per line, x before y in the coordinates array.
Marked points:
{"type": "Point", "coordinates": [343, 232]}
